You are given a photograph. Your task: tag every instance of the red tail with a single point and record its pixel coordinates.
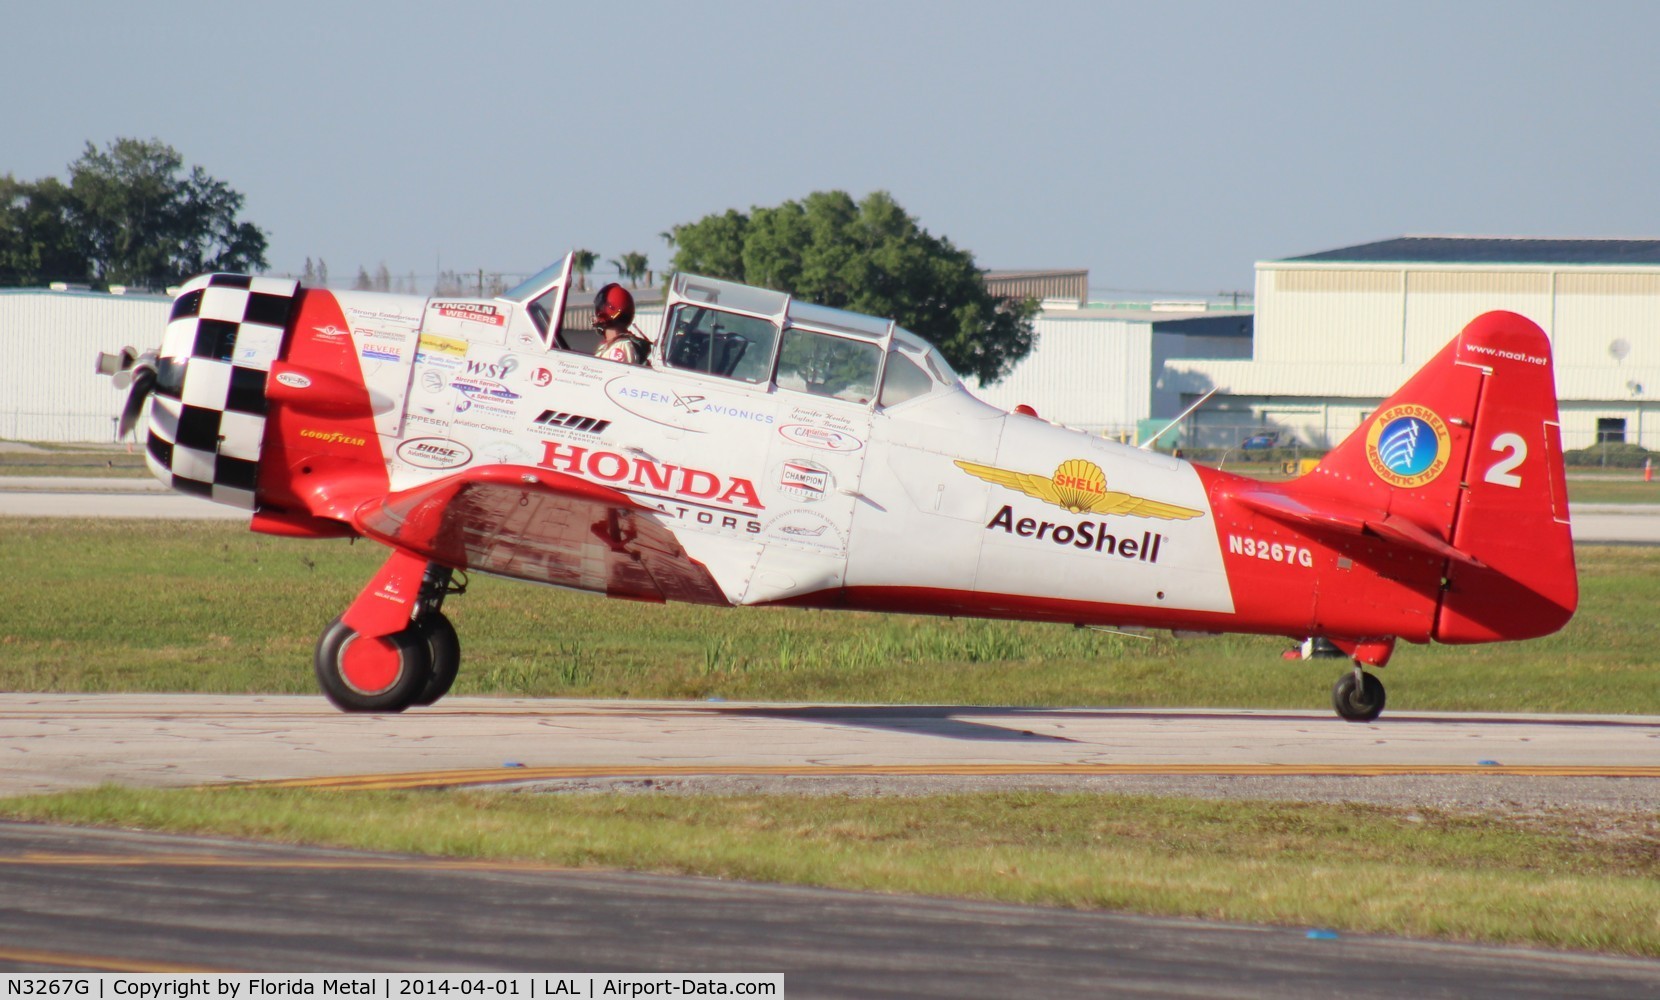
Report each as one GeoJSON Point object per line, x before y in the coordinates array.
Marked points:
{"type": "Point", "coordinates": [1469, 451]}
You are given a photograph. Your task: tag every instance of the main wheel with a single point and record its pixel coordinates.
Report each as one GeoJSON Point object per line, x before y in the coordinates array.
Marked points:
{"type": "Point", "coordinates": [444, 648]}
{"type": "Point", "coordinates": [1360, 702]}
{"type": "Point", "coordinates": [371, 675]}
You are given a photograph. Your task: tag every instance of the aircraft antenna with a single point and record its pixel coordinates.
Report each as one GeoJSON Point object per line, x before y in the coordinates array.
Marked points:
{"type": "Point", "coordinates": [1183, 416]}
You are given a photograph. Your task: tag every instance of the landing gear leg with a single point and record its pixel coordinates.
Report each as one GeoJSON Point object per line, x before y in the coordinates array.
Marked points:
{"type": "Point", "coordinates": [1358, 696]}
{"type": "Point", "coordinates": [443, 645]}
{"type": "Point", "coordinates": [392, 648]}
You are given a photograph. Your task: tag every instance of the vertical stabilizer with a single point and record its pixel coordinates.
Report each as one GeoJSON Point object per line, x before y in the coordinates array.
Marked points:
{"type": "Point", "coordinates": [1470, 451]}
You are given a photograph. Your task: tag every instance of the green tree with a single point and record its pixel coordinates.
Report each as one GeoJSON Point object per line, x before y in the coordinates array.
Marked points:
{"type": "Point", "coordinates": [143, 220]}
{"type": "Point", "coordinates": [870, 257]}
{"type": "Point", "coordinates": [38, 244]}
{"type": "Point", "coordinates": [582, 262]}
{"type": "Point", "coordinates": [631, 265]}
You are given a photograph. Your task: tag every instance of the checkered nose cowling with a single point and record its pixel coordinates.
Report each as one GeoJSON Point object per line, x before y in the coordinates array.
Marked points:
{"type": "Point", "coordinates": [207, 416]}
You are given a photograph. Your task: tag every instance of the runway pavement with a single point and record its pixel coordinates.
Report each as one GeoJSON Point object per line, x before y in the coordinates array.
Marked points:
{"type": "Point", "coordinates": [107, 900]}
{"type": "Point", "coordinates": [62, 741]}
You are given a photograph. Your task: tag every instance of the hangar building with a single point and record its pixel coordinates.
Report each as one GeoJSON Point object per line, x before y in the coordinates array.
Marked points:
{"type": "Point", "coordinates": [1338, 331]}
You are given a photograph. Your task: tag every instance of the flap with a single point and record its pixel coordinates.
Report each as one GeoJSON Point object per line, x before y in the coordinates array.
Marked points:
{"type": "Point", "coordinates": [542, 526]}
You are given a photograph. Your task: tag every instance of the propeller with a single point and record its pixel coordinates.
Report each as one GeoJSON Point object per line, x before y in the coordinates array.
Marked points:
{"type": "Point", "coordinates": [134, 372]}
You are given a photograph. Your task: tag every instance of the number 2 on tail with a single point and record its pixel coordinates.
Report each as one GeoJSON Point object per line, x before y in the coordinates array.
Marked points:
{"type": "Point", "coordinates": [1515, 449]}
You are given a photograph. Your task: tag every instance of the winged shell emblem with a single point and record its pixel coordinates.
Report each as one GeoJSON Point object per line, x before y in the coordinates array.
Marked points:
{"type": "Point", "coordinates": [1079, 486]}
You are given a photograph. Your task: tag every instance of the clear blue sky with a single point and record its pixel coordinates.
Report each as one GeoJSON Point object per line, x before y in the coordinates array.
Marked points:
{"type": "Point", "coordinates": [1166, 147]}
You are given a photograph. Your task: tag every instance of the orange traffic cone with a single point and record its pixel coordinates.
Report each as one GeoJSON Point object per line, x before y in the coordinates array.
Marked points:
{"type": "Point", "coordinates": [1648, 470]}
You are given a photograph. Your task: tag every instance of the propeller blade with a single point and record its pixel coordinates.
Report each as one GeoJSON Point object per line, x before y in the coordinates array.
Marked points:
{"type": "Point", "coordinates": [143, 380]}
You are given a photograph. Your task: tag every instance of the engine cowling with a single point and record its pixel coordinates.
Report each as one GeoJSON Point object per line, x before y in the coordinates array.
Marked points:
{"type": "Point", "coordinates": [208, 409]}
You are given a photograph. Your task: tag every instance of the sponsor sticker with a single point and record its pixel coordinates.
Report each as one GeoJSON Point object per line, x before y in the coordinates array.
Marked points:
{"type": "Point", "coordinates": [1408, 446]}
{"type": "Point", "coordinates": [476, 312]}
{"type": "Point", "coordinates": [654, 478]}
{"type": "Point", "coordinates": [454, 347]}
{"type": "Point", "coordinates": [560, 423]}
{"type": "Point", "coordinates": [434, 453]}
{"type": "Point", "coordinates": [294, 380]}
{"type": "Point", "coordinates": [823, 438]}
{"type": "Point", "coordinates": [805, 480]}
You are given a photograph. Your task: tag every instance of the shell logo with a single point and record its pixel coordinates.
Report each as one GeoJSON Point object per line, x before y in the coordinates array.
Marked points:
{"type": "Point", "coordinates": [1079, 486]}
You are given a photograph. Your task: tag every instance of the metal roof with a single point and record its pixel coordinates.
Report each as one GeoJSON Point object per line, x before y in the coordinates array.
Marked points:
{"type": "Point", "coordinates": [1489, 250]}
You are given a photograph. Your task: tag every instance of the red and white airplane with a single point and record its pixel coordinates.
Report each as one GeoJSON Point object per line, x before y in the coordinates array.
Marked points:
{"type": "Point", "coordinates": [774, 452]}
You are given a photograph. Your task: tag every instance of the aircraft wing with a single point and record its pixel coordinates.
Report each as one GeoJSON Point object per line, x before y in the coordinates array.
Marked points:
{"type": "Point", "coordinates": [1351, 519]}
{"type": "Point", "coordinates": [543, 526]}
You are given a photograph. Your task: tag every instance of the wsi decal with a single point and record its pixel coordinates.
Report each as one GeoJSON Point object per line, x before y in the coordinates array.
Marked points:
{"type": "Point", "coordinates": [434, 453]}
{"type": "Point", "coordinates": [498, 370]}
{"type": "Point", "coordinates": [820, 437]}
{"type": "Point", "coordinates": [1079, 486]}
{"type": "Point", "coordinates": [1408, 446]}
{"type": "Point", "coordinates": [574, 422]}
{"type": "Point", "coordinates": [675, 480]}
{"type": "Point", "coordinates": [1256, 548]}
{"type": "Point", "coordinates": [1086, 536]}
{"type": "Point", "coordinates": [477, 312]}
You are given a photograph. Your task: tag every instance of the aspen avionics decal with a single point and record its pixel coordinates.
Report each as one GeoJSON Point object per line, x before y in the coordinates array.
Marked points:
{"type": "Point", "coordinates": [1080, 487]}
{"type": "Point", "coordinates": [1408, 445]}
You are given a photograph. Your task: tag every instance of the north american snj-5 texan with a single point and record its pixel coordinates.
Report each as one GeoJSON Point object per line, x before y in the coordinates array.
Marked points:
{"type": "Point", "coordinates": [761, 450]}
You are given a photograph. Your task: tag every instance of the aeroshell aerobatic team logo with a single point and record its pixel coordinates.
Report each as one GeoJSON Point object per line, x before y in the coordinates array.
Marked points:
{"type": "Point", "coordinates": [1408, 446]}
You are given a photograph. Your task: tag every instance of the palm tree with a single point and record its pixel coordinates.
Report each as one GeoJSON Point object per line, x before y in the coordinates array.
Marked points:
{"type": "Point", "coordinates": [583, 261]}
{"type": "Point", "coordinates": [631, 265]}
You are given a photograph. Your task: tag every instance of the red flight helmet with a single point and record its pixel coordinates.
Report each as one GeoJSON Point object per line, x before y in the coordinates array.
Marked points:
{"type": "Point", "coordinates": [613, 306]}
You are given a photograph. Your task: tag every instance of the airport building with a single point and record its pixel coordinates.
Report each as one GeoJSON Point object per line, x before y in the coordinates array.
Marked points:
{"type": "Point", "coordinates": [1338, 331]}
{"type": "Point", "coordinates": [1332, 335]}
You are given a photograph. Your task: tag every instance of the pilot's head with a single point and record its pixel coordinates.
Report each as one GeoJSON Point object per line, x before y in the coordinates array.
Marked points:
{"type": "Point", "coordinates": [613, 307]}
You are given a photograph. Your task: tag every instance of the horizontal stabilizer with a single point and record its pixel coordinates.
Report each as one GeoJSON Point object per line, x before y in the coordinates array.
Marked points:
{"type": "Point", "coordinates": [1334, 515]}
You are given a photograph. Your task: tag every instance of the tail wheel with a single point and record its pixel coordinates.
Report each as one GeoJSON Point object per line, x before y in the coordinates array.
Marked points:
{"type": "Point", "coordinates": [1358, 696]}
{"type": "Point", "coordinates": [444, 649]}
{"type": "Point", "coordinates": [372, 675]}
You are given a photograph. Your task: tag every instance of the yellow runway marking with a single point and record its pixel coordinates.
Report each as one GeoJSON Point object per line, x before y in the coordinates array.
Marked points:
{"type": "Point", "coordinates": [103, 963]}
{"type": "Point", "coordinates": [497, 776]}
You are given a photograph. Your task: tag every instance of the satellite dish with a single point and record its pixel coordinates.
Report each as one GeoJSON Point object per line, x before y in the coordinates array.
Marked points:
{"type": "Point", "coordinates": [1618, 348]}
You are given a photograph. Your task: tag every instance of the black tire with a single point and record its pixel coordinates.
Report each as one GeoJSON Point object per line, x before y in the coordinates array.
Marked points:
{"type": "Point", "coordinates": [1358, 703]}
{"type": "Point", "coordinates": [394, 695]}
{"type": "Point", "coordinates": [444, 652]}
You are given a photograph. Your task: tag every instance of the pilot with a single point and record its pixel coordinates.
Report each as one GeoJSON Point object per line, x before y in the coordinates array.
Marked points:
{"type": "Point", "coordinates": [613, 312]}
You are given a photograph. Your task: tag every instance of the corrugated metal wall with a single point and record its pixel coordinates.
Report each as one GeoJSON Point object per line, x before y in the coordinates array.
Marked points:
{"type": "Point", "coordinates": [1328, 316]}
{"type": "Point", "coordinates": [1092, 374]}
{"type": "Point", "coordinates": [1340, 337]}
{"type": "Point", "coordinates": [50, 342]}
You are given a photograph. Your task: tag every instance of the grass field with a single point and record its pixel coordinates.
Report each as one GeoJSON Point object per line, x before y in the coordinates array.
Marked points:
{"type": "Point", "coordinates": [166, 606]}
{"type": "Point", "coordinates": [1556, 881]}
{"type": "Point", "coordinates": [162, 606]}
